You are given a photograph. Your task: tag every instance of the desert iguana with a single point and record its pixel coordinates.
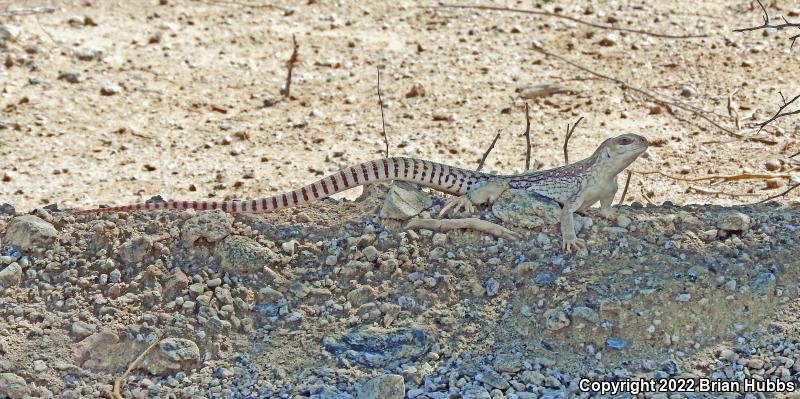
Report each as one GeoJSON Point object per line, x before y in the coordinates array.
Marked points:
{"type": "Point", "coordinates": [575, 186]}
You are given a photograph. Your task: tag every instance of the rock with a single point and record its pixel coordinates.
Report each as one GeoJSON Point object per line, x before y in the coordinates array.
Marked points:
{"type": "Point", "coordinates": [88, 54]}
{"type": "Point", "coordinates": [556, 319]}
{"type": "Point", "coordinates": [508, 362]}
{"type": "Point", "coordinates": [81, 329]}
{"type": "Point", "coordinates": [404, 201]}
{"type": "Point", "coordinates": [211, 227]}
{"type": "Point", "coordinates": [492, 287]}
{"type": "Point", "coordinates": [764, 283]}
{"type": "Point", "coordinates": [370, 253]}
{"type": "Point", "coordinates": [773, 165]}
{"type": "Point", "coordinates": [417, 90]}
{"type": "Point", "coordinates": [377, 347]}
{"type": "Point", "coordinates": [439, 239]}
{"type": "Point", "coordinates": [71, 77]}
{"type": "Point", "coordinates": [541, 90]}
{"type": "Point", "coordinates": [734, 222]}
{"type": "Point", "coordinates": [13, 386]}
{"type": "Point", "coordinates": [11, 275]}
{"type": "Point", "coordinates": [609, 40]}
{"type": "Point", "coordinates": [268, 295]}
{"type": "Point", "coordinates": [241, 255]}
{"type": "Point", "coordinates": [9, 33]}
{"type": "Point", "coordinates": [135, 249]}
{"type": "Point", "coordinates": [387, 386]}
{"type": "Point", "coordinates": [585, 313]}
{"type": "Point", "coordinates": [174, 285]}
{"type": "Point", "coordinates": [361, 295]}
{"type": "Point", "coordinates": [39, 366]}
{"type": "Point", "coordinates": [94, 347]}
{"type": "Point", "coordinates": [493, 378]}
{"type": "Point", "coordinates": [173, 355]}
{"type": "Point", "coordinates": [617, 344]}
{"type": "Point", "coordinates": [110, 89]}
{"type": "Point", "coordinates": [526, 209]}
{"type": "Point", "coordinates": [688, 91]}
{"type": "Point", "coordinates": [755, 364]}
{"type": "Point", "coordinates": [30, 233]}
{"type": "Point", "coordinates": [299, 289]}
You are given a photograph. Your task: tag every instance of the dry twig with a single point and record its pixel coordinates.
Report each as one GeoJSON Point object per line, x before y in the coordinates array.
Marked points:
{"type": "Point", "coordinates": [732, 112]}
{"type": "Point", "coordinates": [293, 61]}
{"type": "Point", "coordinates": [780, 113]}
{"type": "Point", "coordinates": [118, 382]}
{"type": "Point", "coordinates": [705, 191]}
{"type": "Point", "coordinates": [766, 25]}
{"type": "Point", "coordinates": [567, 137]}
{"type": "Point", "coordinates": [656, 98]}
{"type": "Point", "coordinates": [722, 178]}
{"type": "Point", "coordinates": [27, 11]}
{"type": "Point", "coordinates": [625, 190]}
{"type": "Point", "coordinates": [573, 19]}
{"type": "Point", "coordinates": [486, 154]}
{"type": "Point", "coordinates": [527, 138]}
{"type": "Point", "coordinates": [779, 195]}
{"type": "Point", "coordinates": [383, 119]}
{"type": "Point", "coordinates": [444, 225]}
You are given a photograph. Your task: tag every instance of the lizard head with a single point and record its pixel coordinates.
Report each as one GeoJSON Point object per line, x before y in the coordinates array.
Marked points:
{"type": "Point", "coordinates": [616, 153]}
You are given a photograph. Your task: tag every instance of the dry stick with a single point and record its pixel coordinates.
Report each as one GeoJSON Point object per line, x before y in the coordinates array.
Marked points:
{"type": "Point", "coordinates": [27, 11]}
{"type": "Point", "coordinates": [653, 97]}
{"type": "Point", "coordinates": [566, 139]}
{"type": "Point", "coordinates": [625, 190]}
{"type": "Point", "coordinates": [779, 195]}
{"type": "Point", "coordinates": [766, 24]}
{"type": "Point", "coordinates": [445, 225]}
{"type": "Point", "coordinates": [290, 66]}
{"type": "Point", "coordinates": [743, 176]}
{"type": "Point", "coordinates": [780, 113]}
{"type": "Point", "coordinates": [486, 154]}
{"type": "Point", "coordinates": [573, 19]}
{"type": "Point", "coordinates": [732, 109]}
{"type": "Point", "coordinates": [118, 382]}
{"type": "Point", "coordinates": [383, 120]}
{"type": "Point", "coordinates": [794, 155]}
{"type": "Point", "coordinates": [527, 138]}
{"type": "Point", "coordinates": [701, 190]}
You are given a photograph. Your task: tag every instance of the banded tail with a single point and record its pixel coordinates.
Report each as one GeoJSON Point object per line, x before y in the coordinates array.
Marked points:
{"type": "Point", "coordinates": [440, 177]}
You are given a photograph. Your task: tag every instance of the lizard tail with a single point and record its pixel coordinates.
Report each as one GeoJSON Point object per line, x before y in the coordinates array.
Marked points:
{"type": "Point", "coordinates": [440, 177]}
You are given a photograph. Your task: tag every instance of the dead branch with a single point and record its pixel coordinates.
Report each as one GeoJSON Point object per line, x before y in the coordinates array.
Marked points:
{"type": "Point", "coordinates": [625, 190]}
{"type": "Point", "coordinates": [486, 154]}
{"type": "Point", "coordinates": [567, 137]}
{"type": "Point", "coordinates": [722, 178]}
{"type": "Point", "coordinates": [286, 11]}
{"type": "Point", "coordinates": [766, 25]}
{"type": "Point", "coordinates": [118, 382]}
{"type": "Point", "coordinates": [444, 225]}
{"type": "Point", "coordinates": [573, 19]}
{"type": "Point", "coordinates": [527, 138]}
{"type": "Point", "coordinates": [794, 155]}
{"type": "Point", "coordinates": [779, 195]}
{"type": "Point", "coordinates": [644, 195]}
{"type": "Point", "coordinates": [293, 61]}
{"type": "Point", "coordinates": [732, 112]}
{"type": "Point", "coordinates": [383, 119]}
{"type": "Point", "coordinates": [653, 97]}
{"type": "Point", "coordinates": [706, 191]}
{"type": "Point", "coordinates": [27, 11]}
{"type": "Point", "coordinates": [780, 113]}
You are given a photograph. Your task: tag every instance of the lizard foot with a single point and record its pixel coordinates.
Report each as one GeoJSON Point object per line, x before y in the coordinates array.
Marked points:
{"type": "Point", "coordinates": [575, 242]}
{"type": "Point", "coordinates": [456, 203]}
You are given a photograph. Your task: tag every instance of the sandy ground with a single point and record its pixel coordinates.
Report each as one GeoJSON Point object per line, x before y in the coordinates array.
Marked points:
{"type": "Point", "coordinates": [189, 119]}
{"type": "Point", "coordinates": [114, 102]}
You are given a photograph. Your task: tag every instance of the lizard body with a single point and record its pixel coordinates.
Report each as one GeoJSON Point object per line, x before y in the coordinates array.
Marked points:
{"type": "Point", "coordinates": [575, 186]}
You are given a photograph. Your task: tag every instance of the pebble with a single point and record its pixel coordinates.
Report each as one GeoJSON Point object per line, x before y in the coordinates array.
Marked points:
{"type": "Point", "coordinates": [492, 287]}
{"type": "Point", "coordinates": [688, 91]}
{"type": "Point", "coordinates": [9, 33]}
{"type": "Point", "coordinates": [30, 233]}
{"type": "Point", "coordinates": [110, 89]}
{"type": "Point", "coordinates": [609, 40]}
{"type": "Point", "coordinates": [39, 366]}
{"type": "Point", "coordinates": [13, 386]}
{"type": "Point", "coordinates": [11, 275]}
{"type": "Point", "coordinates": [404, 201]}
{"type": "Point", "coordinates": [370, 253]}
{"type": "Point", "coordinates": [71, 77]}
{"type": "Point", "coordinates": [388, 386]}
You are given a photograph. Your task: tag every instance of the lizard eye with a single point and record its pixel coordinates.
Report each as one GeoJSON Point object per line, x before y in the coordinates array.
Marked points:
{"type": "Point", "coordinates": [625, 141]}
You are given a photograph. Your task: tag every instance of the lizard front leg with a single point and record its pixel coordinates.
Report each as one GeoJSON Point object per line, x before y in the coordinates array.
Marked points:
{"type": "Point", "coordinates": [605, 207]}
{"type": "Point", "coordinates": [485, 194]}
{"type": "Point", "coordinates": [568, 237]}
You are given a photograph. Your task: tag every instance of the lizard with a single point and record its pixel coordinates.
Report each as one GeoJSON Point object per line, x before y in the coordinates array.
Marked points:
{"type": "Point", "coordinates": [575, 187]}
